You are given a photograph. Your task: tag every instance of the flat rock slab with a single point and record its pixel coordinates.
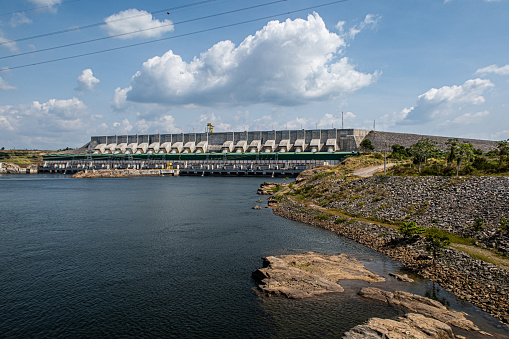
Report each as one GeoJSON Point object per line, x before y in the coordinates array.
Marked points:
{"type": "Point", "coordinates": [309, 274]}
{"type": "Point", "coordinates": [421, 305]}
{"type": "Point", "coordinates": [411, 325]}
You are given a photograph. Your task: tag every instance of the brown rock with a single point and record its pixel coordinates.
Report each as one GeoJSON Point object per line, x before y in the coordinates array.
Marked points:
{"type": "Point", "coordinates": [417, 304]}
{"type": "Point", "coordinates": [306, 275]}
{"type": "Point", "coordinates": [409, 326]}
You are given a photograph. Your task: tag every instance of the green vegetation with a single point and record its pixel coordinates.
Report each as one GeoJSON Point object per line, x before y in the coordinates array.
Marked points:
{"type": "Point", "coordinates": [366, 145]}
{"type": "Point", "coordinates": [436, 240]}
{"type": "Point", "coordinates": [22, 158]}
{"type": "Point", "coordinates": [478, 225]}
{"type": "Point", "coordinates": [504, 224]}
{"type": "Point", "coordinates": [411, 231]}
{"type": "Point", "coordinates": [322, 217]}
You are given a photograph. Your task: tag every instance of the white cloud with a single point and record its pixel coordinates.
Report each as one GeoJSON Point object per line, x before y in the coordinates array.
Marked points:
{"type": "Point", "coordinates": [503, 70]}
{"type": "Point", "coordinates": [370, 21]}
{"type": "Point", "coordinates": [334, 120]}
{"type": "Point", "coordinates": [437, 103]}
{"type": "Point", "coordinates": [119, 101]}
{"type": "Point", "coordinates": [48, 3]}
{"type": "Point", "coordinates": [51, 124]}
{"type": "Point", "coordinates": [163, 124]}
{"type": "Point", "coordinates": [133, 20]}
{"type": "Point", "coordinates": [7, 43]}
{"type": "Point", "coordinates": [86, 81]}
{"type": "Point", "coordinates": [285, 63]}
{"type": "Point", "coordinates": [469, 118]}
{"type": "Point", "coordinates": [19, 19]}
{"type": "Point", "coordinates": [4, 86]}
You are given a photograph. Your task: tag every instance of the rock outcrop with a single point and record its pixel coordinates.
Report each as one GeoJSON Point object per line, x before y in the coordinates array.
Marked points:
{"type": "Point", "coordinates": [269, 188]}
{"type": "Point", "coordinates": [421, 305]}
{"type": "Point", "coordinates": [409, 326]}
{"type": "Point", "coordinates": [125, 173]}
{"type": "Point", "coordinates": [310, 274]}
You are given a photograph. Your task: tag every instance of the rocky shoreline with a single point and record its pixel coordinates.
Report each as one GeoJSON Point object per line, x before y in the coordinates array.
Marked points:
{"type": "Point", "coordinates": [483, 284]}
{"type": "Point", "coordinates": [452, 204]}
{"type": "Point", "coordinates": [124, 173]}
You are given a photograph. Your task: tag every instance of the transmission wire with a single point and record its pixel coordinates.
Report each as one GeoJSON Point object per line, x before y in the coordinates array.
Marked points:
{"type": "Point", "coordinates": [168, 38]}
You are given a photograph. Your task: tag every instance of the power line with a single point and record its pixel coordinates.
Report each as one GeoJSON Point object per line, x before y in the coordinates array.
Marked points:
{"type": "Point", "coordinates": [169, 38]}
{"type": "Point", "coordinates": [139, 31]}
{"type": "Point", "coordinates": [36, 8]}
{"type": "Point", "coordinates": [72, 29]}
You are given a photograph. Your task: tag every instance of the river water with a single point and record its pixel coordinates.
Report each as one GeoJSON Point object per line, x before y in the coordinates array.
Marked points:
{"type": "Point", "coordinates": [167, 257]}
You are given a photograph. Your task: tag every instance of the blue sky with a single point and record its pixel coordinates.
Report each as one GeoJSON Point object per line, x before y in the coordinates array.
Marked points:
{"type": "Point", "coordinates": [423, 66]}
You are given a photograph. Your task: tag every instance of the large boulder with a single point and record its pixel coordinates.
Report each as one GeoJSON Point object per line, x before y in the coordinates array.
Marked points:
{"type": "Point", "coordinates": [422, 305]}
{"type": "Point", "coordinates": [310, 274]}
{"type": "Point", "coordinates": [409, 326]}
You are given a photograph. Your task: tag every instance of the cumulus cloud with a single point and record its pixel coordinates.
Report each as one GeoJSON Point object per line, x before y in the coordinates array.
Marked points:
{"type": "Point", "coordinates": [285, 63]}
{"type": "Point", "coordinates": [133, 20]}
{"type": "Point", "coordinates": [370, 22]}
{"type": "Point", "coordinates": [86, 81]}
{"type": "Point", "coordinates": [163, 124]}
{"type": "Point", "coordinates": [443, 101]}
{"type": "Point", "coordinates": [119, 101]}
{"type": "Point", "coordinates": [494, 69]}
{"type": "Point", "coordinates": [4, 86]}
{"type": "Point", "coordinates": [19, 19]}
{"type": "Point", "coordinates": [49, 124]}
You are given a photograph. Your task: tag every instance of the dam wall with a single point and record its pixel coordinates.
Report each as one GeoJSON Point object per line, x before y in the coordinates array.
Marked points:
{"type": "Point", "coordinates": [331, 140]}
{"type": "Point", "coordinates": [384, 141]}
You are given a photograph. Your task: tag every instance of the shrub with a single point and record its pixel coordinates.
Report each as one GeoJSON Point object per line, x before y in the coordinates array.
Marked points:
{"type": "Point", "coordinates": [478, 225]}
{"type": "Point", "coordinates": [410, 230]}
{"type": "Point", "coordinates": [322, 217]}
{"type": "Point", "coordinates": [504, 224]}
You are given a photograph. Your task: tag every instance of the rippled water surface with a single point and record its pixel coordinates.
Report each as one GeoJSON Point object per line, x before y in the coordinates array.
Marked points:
{"type": "Point", "coordinates": [165, 257]}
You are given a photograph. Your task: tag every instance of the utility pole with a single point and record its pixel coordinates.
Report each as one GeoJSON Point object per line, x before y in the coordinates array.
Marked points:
{"type": "Point", "coordinates": [374, 148]}
{"type": "Point", "coordinates": [385, 157]}
{"type": "Point", "coordinates": [342, 126]}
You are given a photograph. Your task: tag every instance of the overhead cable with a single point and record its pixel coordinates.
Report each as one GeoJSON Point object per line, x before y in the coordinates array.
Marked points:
{"type": "Point", "coordinates": [169, 38]}
{"type": "Point", "coordinates": [141, 30]}
{"type": "Point", "coordinates": [36, 8]}
{"type": "Point", "coordinates": [72, 29]}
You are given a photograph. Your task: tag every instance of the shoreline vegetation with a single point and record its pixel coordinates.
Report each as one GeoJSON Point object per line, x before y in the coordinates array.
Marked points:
{"type": "Point", "coordinates": [451, 230]}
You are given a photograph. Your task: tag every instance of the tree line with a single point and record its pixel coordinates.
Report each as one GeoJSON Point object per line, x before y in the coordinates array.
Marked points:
{"type": "Point", "coordinates": [450, 160]}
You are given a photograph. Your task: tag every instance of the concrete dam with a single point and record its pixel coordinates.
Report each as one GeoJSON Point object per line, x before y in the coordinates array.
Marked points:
{"type": "Point", "coordinates": [260, 153]}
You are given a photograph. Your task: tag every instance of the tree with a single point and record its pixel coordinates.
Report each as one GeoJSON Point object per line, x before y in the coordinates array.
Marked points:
{"type": "Point", "coordinates": [435, 242]}
{"type": "Point", "coordinates": [410, 231]}
{"type": "Point", "coordinates": [503, 149]}
{"type": "Point", "coordinates": [367, 145]}
{"type": "Point", "coordinates": [453, 148]}
{"type": "Point", "coordinates": [399, 152]}
{"type": "Point", "coordinates": [423, 149]}
{"type": "Point", "coordinates": [465, 151]}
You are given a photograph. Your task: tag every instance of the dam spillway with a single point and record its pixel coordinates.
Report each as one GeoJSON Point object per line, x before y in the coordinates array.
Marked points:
{"type": "Point", "coordinates": [320, 140]}
{"type": "Point", "coordinates": [261, 153]}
